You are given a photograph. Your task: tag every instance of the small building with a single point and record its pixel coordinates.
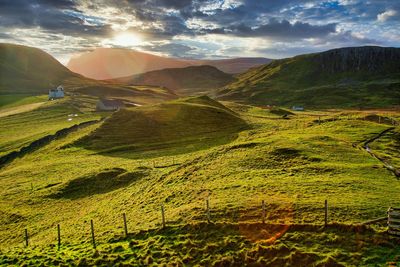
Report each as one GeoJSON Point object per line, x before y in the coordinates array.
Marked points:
{"type": "Point", "coordinates": [56, 93]}
{"type": "Point", "coordinates": [109, 104]}
{"type": "Point", "coordinates": [298, 108]}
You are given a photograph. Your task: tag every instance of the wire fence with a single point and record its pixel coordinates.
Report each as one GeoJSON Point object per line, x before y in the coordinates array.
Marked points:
{"type": "Point", "coordinates": [97, 230]}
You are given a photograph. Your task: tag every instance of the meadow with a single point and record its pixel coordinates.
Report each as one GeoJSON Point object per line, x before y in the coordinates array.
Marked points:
{"type": "Point", "coordinates": [293, 163]}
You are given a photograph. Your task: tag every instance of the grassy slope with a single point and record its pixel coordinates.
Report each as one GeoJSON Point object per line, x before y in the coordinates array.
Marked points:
{"type": "Point", "coordinates": [10, 101]}
{"type": "Point", "coordinates": [27, 71]}
{"type": "Point", "coordinates": [182, 124]}
{"type": "Point", "coordinates": [21, 73]}
{"type": "Point", "coordinates": [292, 164]}
{"type": "Point", "coordinates": [301, 80]}
{"type": "Point", "coordinates": [21, 129]}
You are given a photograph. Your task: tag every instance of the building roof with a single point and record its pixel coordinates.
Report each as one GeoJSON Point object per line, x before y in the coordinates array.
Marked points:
{"type": "Point", "coordinates": [112, 102]}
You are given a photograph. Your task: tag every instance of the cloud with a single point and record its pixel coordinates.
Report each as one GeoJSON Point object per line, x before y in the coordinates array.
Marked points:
{"type": "Point", "coordinates": [281, 30]}
{"type": "Point", "coordinates": [382, 17]}
{"type": "Point", "coordinates": [201, 28]}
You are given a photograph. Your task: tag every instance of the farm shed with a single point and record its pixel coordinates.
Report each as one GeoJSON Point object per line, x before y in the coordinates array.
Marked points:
{"type": "Point", "coordinates": [109, 104]}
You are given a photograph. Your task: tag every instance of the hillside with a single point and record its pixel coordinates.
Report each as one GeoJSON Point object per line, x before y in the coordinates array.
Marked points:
{"type": "Point", "coordinates": [29, 70]}
{"type": "Point", "coordinates": [110, 63]}
{"type": "Point", "coordinates": [192, 121]}
{"type": "Point", "coordinates": [294, 165]}
{"type": "Point", "coordinates": [187, 80]}
{"type": "Point", "coordinates": [353, 77]}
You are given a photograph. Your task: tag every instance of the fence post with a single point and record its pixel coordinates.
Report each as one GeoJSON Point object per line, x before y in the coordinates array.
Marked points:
{"type": "Point", "coordinates": [163, 216]}
{"type": "Point", "coordinates": [208, 210]}
{"type": "Point", "coordinates": [92, 230]}
{"type": "Point", "coordinates": [26, 237]}
{"type": "Point", "coordinates": [125, 226]}
{"type": "Point", "coordinates": [263, 211]}
{"type": "Point", "coordinates": [58, 236]}
{"type": "Point", "coordinates": [326, 212]}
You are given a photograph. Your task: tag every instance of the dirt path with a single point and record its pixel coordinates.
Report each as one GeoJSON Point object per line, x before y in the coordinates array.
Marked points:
{"type": "Point", "coordinates": [19, 109]}
{"type": "Point", "coordinates": [385, 163]}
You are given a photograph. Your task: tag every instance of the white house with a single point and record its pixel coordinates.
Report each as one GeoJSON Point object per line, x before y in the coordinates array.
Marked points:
{"type": "Point", "coordinates": [56, 93]}
{"type": "Point", "coordinates": [109, 104]}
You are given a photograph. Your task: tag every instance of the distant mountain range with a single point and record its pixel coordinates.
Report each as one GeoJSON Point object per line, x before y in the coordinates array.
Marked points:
{"type": "Point", "coordinates": [110, 63]}
{"type": "Point", "coordinates": [354, 76]}
{"type": "Point", "coordinates": [345, 77]}
{"type": "Point", "coordinates": [28, 70]}
{"type": "Point", "coordinates": [184, 81]}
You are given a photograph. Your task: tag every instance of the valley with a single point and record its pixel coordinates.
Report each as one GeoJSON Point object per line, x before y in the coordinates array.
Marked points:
{"type": "Point", "coordinates": [264, 168]}
{"type": "Point", "coordinates": [236, 157]}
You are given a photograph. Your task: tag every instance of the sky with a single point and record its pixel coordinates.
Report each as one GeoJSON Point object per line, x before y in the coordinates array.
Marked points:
{"type": "Point", "coordinates": [199, 28]}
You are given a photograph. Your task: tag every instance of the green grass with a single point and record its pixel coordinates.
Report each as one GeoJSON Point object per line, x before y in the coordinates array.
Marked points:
{"type": "Point", "coordinates": [21, 129]}
{"type": "Point", "coordinates": [8, 101]}
{"type": "Point", "coordinates": [293, 164]}
{"type": "Point", "coordinates": [223, 245]}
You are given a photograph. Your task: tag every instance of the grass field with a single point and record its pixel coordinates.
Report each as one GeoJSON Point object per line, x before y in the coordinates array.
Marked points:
{"type": "Point", "coordinates": [9, 101]}
{"type": "Point", "coordinates": [292, 164]}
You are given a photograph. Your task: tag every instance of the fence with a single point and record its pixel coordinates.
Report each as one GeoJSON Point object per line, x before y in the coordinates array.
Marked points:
{"type": "Point", "coordinates": [257, 214]}
{"type": "Point", "coordinates": [393, 221]}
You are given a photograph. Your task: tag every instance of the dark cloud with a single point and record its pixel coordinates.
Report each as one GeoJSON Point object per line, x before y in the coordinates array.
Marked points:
{"type": "Point", "coordinates": [59, 16]}
{"type": "Point", "coordinates": [279, 30]}
{"type": "Point", "coordinates": [289, 23]}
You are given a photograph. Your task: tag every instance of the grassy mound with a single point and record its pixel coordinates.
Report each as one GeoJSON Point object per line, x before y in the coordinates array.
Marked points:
{"type": "Point", "coordinates": [192, 121]}
{"type": "Point", "coordinates": [102, 182]}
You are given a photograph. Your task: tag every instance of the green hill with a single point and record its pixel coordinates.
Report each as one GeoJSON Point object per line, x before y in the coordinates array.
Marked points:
{"type": "Point", "coordinates": [29, 70]}
{"type": "Point", "coordinates": [356, 76]}
{"type": "Point", "coordinates": [188, 123]}
{"type": "Point", "coordinates": [186, 81]}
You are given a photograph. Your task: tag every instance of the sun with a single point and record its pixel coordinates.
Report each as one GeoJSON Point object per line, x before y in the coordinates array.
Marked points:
{"type": "Point", "coordinates": [127, 39]}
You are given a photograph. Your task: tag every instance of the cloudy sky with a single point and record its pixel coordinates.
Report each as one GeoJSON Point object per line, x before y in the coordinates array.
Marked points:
{"type": "Point", "coordinates": [200, 28]}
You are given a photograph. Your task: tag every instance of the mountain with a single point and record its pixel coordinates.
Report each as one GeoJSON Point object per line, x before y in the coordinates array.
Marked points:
{"type": "Point", "coordinates": [346, 77]}
{"type": "Point", "coordinates": [235, 65]}
{"type": "Point", "coordinates": [187, 80]}
{"type": "Point", "coordinates": [195, 122]}
{"type": "Point", "coordinates": [29, 70]}
{"type": "Point", "coordinates": [110, 63]}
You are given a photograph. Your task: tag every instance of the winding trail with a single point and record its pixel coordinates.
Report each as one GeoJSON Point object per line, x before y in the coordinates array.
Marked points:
{"type": "Point", "coordinates": [385, 163]}
{"type": "Point", "coordinates": [41, 142]}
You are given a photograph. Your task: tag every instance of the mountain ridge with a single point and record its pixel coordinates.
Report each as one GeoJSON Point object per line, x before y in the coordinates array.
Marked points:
{"type": "Point", "coordinates": [186, 81]}
{"type": "Point", "coordinates": [111, 63]}
{"type": "Point", "coordinates": [352, 76]}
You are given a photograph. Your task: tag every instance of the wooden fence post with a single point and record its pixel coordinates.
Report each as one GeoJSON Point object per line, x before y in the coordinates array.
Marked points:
{"type": "Point", "coordinates": [208, 210]}
{"type": "Point", "coordinates": [326, 212]}
{"type": "Point", "coordinates": [125, 226]}
{"type": "Point", "coordinates": [162, 216]}
{"type": "Point", "coordinates": [58, 236]}
{"type": "Point", "coordinates": [26, 237]}
{"type": "Point", "coordinates": [263, 211]}
{"type": "Point", "coordinates": [92, 230]}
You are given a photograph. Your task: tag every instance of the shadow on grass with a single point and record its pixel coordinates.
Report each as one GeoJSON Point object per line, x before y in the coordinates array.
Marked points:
{"type": "Point", "coordinates": [102, 182]}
